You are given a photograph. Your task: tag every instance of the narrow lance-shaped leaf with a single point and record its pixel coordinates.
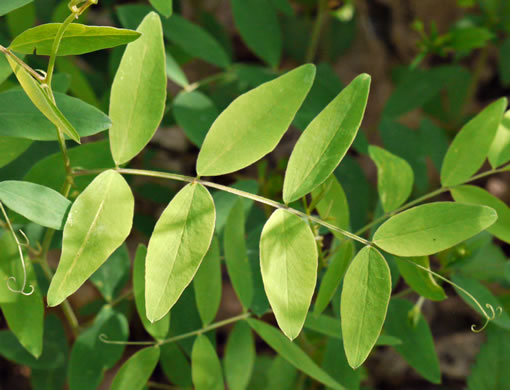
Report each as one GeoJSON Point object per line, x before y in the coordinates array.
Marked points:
{"type": "Point", "coordinates": [326, 140]}
{"type": "Point", "coordinates": [332, 205]}
{"type": "Point", "coordinates": [205, 366]}
{"type": "Point", "coordinates": [77, 39]}
{"type": "Point", "coordinates": [207, 284]}
{"type": "Point", "coordinates": [20, 118]}
{"type": "Point", "coordinates": [418, 279]}
{"type": "Point", "coordinates": [91, 357]}
{"type": "Point", "coordinates": [288, 260]}
{"type": "Point", "coordinates": [335, 272]}
{"type": "Point", "coordinates": [42, 101]}
{"type": "Point", "coordinates": [177, 246]}
{"type": "Point", "coordinates": [195, 41]}
{"type": "Point", "coordinates": [195, 113]}
{"type": "Point", "coordinates": [395, 178]}
{"type": "Point", "coordinates": [417, 345]}
{"type": "Point", "coordinates": [16, 307]}
{"type": "Point", "coordinates": [138, 96]}
{"type": "Point", "coordinates": [253, 124]}
{"type": "Point", "coordinates": [433, 227]}
{"type": "Point", "coordinates": [365, 296]}
{"type": "Point", "coordinates": [134, 374]}
{"type": "Point", "coordinates": [11, 148]}
{"type": "Point", "coordinates": [112, 276]}
{"type": "Point", "coordinates": [292, 353]}
{"type": "Point", "coordinates": [165, 7]}
{"type": "Point", "coordinates": [38, 203]}
{"type": "Point", "coordinates": [475, 195]}
{"type": "Point", "coordinates": [159, 329]}
{"type": "Point", "coordinates": [471, 146]}
{"type": "Point", "coordinates": [236, 258]}
{"type": "Point", "coordinates": [99, 221]}
{"type": "Point", "coordinates": [239, 356]}
{"type": "Point", "coordinates": [257, 23]}
{"type": "Point", "coordinates": [54, 346]}
{"type": "Point", "coordinates": [490, 370]}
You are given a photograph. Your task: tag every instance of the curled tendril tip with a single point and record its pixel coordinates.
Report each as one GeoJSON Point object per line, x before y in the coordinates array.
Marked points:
{"type": "Point", "coordinates": [488, 317]}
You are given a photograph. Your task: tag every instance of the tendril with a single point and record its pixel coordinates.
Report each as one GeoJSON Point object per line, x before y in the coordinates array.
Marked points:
{"type": "Point", "coordinates": [21, 256]}
{"type": "Point", "coordinates": [488, 317]}
{"type": "Point", "coordinates": [104, 338]}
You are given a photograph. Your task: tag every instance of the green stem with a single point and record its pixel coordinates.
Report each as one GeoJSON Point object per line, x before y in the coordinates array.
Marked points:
{"type": "Point", "coordinates": [256, 198]}
{"type": "Point", "coordinates": [316, 32]}
{"type": "Point", "coordinates": [208, 80]}
{"type": "Point", "coordinates": [183, 336]}
{"type": "Point", "coordinates": [76, 12]}
{"type": "Point", "coordinates": [34, 74]}
{"type": "Point", "coordinates": [428, 196]}
{"type": "Point", "coordinates": [120, 298]}
{"type": "Point", "coordinates": [21, 256]}
{"type": "Point", "coordinates": [56, 44]}
{"type": "Point", "coordinates": [488, 317]}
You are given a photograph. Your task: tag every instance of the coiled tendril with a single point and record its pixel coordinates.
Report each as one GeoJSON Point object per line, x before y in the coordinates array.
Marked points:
{"type": "Point", "coordinates": [21, 256]}
{"type": "Point", "coordinates": [488, 317]}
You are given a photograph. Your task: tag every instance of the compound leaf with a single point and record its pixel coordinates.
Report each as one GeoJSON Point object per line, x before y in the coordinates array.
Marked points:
{"type": "Point", "coordinates": [472, 144]}
{"type": "Point", "coordinates": [236, 258]}
{"type": "Point", "coordinates": [138, 95]}
{"type": "Point", "coordinates": [239, 356]}
{"type": "Point", "coordinates": [42, 101]}
{"type": "Point", "coordinates": [208, 284]}
{"type": "Point", "coordinates": [176, 248]}
{"type": "Point", "coordinates": [433, 227]}
{"type": "Point", "coordinates": [288, 261]}
{"type": "Point", "coordinates": [364, 302]}
{"type": "Point", "coordinates": [475, 195]}
{"type": "Point", "coordinates": [37, 203]}
{"type": "Point", "coordinates": [134, 374]}
{"type": "Point", "coordinates": [292, 353]}
{"type": "Point", "coordinates": [98, 223]}
{"type": "Point", "coordinates": [326, 140]}
{"type": "Point", "coordinates": [253, 124]}
{"type": "Point", "coordinates": [257, 23]}
{"type": "Point", "coordinates": [158, 329]}
{"type": "Point", "coordinates": [417, 345]}
{"type": "Point", "coordinates": [77, 39]}
{"type": "Point", "coordinates": [395, 178]}
{"type": "Point", "coordinates": [205, 366]}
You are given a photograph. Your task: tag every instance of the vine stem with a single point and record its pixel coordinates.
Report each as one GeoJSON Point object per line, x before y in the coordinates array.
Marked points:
{"type": "Point", "coordinates": [244, 194]}
{"type": "Point", "coordinates": [22, 63]}
{"type": "Point", "coordinates": [183, 336]}
{"type": "Point", "coordinates": [316, 32]}
{"type": "Point", "coordinates": [488, 317]}
{"type": "Point", "coordinates": [21, 256]}
{"type": "Point", "coordinates": [429, 196]}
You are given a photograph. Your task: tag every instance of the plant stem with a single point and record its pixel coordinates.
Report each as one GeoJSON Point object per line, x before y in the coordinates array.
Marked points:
{"type": "Point", "coordinates": [56, 44]}
{"type": "Point", "coordinates": [428, 196]}
{"type": "Point", "coordinates": [183, 336]}
{"type": "Point", "coordinates": [316, 32]}
{"type": "Point", "coordinates": [120, 298]}
{"type": "Point", "coordinates": [9, 53]}
{"type": "Point", "coordinates": [206, 329]}
{"type": "Point", "coordinates": [256, 198]}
